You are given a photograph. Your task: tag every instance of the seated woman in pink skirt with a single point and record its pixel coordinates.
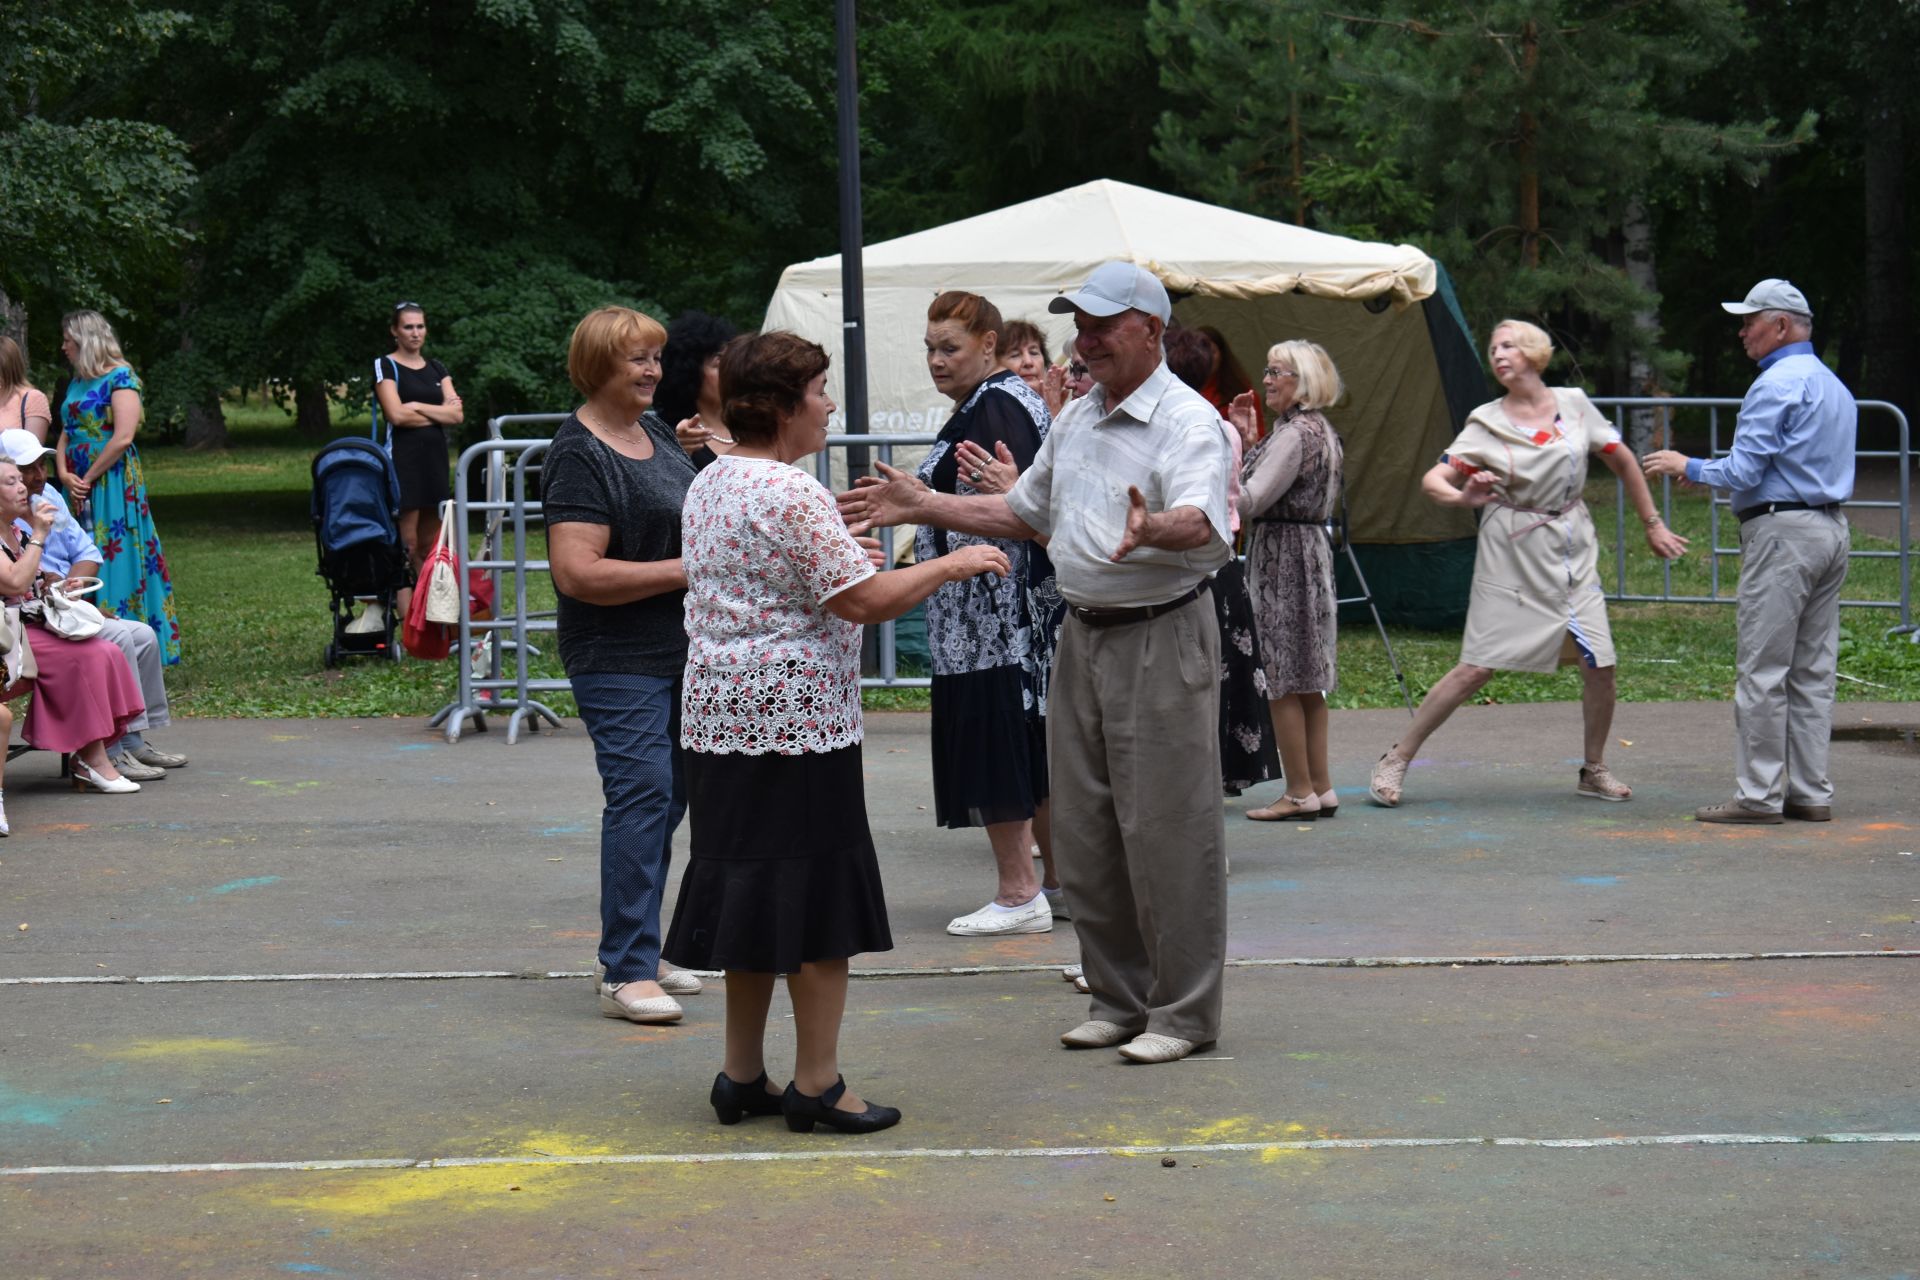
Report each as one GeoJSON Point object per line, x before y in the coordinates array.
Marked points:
{"type": "Point", "coordinates": [84, 695]}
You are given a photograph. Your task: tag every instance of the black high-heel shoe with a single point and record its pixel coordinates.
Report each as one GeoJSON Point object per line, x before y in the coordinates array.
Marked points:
{"type": "Point", "coordinates": [732, 1101]}
{"type": "Point", "coordinates": [803, 1112]}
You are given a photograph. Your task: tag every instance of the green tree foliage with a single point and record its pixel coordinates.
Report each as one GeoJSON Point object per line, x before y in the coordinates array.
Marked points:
{"type": "Point", "coordinates": [89, 200]}
{"type": "Point", "coordinates": [1508, 138]}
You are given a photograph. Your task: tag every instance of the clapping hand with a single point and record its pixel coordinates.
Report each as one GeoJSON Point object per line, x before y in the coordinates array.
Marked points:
{"type": "Point", "coordinates": [892, 497]}
{"type": "Point", "coordinates": [1244, 414]}
{"type": "Point", "coordinates": [875, 552]}
{"type": "Point", "coordinates": [988, 474]}
{"type": "Point", "coordinates": [1053, 388]}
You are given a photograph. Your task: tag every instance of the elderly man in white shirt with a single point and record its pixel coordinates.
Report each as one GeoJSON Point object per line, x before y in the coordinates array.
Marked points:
{"type": "Point", "coordinates": [1130, 489]}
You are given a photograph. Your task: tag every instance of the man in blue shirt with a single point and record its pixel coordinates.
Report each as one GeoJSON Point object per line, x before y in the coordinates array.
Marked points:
{"type": "Point", "coordinates": [70, 553]}
{"type": "Point", "coordinates": [1790, 468]}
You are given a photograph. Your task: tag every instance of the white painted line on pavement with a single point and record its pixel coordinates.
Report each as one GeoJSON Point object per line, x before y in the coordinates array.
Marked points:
{"type": "Point", "coordinates": [976, 970]}
{"type": "Point", "coordinates": [972, 1153]}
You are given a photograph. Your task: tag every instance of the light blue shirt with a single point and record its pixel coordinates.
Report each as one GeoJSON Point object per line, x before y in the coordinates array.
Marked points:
{"type": "Point", "coordinates": [67, 543]}
{"type": "Point", "coordinates": [1794, 441]}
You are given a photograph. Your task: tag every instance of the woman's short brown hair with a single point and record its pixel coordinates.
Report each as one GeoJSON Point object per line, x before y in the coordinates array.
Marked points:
{"type": "Point", "coordinates": [600, 342]}
{"type": "Point", "coordinates": [763, 375]}
{"type": "Point", "coordinates": [974, 313]}
{"type": "Point", "coordinates": [1018, 333]}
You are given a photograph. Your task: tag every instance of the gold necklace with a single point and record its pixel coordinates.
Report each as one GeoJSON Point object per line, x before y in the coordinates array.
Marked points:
{"type": "Point", "coordinates": [621, 432]}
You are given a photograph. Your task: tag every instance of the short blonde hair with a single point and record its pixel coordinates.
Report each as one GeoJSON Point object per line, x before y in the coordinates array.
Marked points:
{"type": "Point", "coordinates": [96, 350]}
{"type": "Point", "coordinates": [600, 342]}
{"type": "Point", "coordinates": [1531, 339]}
{"type": "Point", "coordinates": [1317, 381]}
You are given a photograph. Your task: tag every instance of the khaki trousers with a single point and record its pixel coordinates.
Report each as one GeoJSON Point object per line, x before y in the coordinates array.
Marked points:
{"type": "Point", "coordinates": [1792, 566]}
{"type": "Point", "coordinates": [1133, 748]}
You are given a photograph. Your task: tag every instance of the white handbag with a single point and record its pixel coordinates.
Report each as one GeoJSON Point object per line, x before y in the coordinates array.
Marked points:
{"type": "Point", "coordinates": [443, 582]}
{"type": "Point", "coordinates": [65, 613]}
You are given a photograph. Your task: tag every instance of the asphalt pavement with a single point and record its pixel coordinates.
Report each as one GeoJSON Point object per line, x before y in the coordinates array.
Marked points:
{"type": "Point", "coordinates": [320, 1004]}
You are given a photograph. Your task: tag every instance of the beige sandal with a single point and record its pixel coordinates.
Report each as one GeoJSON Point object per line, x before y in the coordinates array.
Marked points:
{"type": "Point", "coordinates": [1597, 781]}
{"type": "Point", "coordinates": [1305, 808]}
{"type": "Point", "coordinates": [1389, 778]}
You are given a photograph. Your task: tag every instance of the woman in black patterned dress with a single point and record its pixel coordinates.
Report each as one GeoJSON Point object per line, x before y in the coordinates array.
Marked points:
{"type": "Point", "coordinates": [1247, 748]}
{"type": "Point", "coordinates": [1289, 485]}
{"type": "Point", "coordinates": [989, 638]}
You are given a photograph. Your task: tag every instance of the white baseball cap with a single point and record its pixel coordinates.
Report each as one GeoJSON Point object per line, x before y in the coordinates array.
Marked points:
{"type": "Point", "coordinates": [1771, 295]}
{"type": "Point", "coordinates": [22, 447]}
{"type": "Point", "coordinates": [1115, 287]}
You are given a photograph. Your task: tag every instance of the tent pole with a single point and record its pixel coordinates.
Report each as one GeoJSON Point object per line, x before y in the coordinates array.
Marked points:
{"type": "Point", "coordinates": [853, 364]}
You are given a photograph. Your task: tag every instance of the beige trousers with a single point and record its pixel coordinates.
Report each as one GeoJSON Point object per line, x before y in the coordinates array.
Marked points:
{"type": "Point", "coordinates": [1133, 748]}
{"type": "Point", "coordinates": [1792, 566]}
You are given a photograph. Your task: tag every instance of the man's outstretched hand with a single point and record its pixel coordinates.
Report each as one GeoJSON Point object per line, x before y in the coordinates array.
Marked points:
{"type": "Point", "coordinates": [892, 497]}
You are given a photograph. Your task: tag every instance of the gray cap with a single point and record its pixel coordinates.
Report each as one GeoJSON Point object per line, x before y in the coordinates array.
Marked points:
{"type": "Point", "coordinates": [1115, 287]}
{"type": "Point", "coordinates": [1771, 295]}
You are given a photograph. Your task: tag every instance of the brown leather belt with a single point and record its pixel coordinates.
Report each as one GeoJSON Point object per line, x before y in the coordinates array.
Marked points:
{"type": "Point", "coordinates": [1120, 617]}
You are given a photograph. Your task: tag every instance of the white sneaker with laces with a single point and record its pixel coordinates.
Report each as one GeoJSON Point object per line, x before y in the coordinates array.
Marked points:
{"type": "Point", "coordinates": [993, 920]}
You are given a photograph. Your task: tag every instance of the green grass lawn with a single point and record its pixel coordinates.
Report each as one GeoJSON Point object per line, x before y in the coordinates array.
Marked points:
{"type": "Point", "coordinates": [253, 613]}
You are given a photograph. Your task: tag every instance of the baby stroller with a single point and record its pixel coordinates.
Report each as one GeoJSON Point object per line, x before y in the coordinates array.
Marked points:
{"type": "Point", "coordinates": [356, 509]}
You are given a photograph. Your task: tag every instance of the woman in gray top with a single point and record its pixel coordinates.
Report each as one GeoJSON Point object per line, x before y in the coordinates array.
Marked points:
{"type": "Point", "coordinates": [614, 482]}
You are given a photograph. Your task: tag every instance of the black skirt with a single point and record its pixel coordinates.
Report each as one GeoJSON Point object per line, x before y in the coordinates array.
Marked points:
{"type": "Point", "coordinates": [1249, 752]}
{"type": "Point", "coordinates": [420, 460]}
{"type": "Point", "coordinates": [989, 751]}
{"type": "Point", "coordinates": [782, 868]}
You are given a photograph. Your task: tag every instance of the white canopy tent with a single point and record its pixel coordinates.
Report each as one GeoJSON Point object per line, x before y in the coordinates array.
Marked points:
{"type": "Point", "coordinates": [1257, 281]}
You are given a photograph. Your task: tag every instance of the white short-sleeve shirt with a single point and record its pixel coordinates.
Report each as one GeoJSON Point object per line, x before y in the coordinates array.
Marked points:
{"type": "Point", "coordinates": [1164, 439]}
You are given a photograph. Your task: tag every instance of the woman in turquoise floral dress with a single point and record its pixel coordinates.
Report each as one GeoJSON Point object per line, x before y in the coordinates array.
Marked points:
{"type": "Point", "coordinates": [100, 471]}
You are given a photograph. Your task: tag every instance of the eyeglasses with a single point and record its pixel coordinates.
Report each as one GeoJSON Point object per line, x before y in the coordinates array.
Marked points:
{"type": "Point", "coordinates": [1277, 374]}
{"type": "Point", "coordinates": [1076, 370]}
{"type": "Point", "coordinates": [398, 307]}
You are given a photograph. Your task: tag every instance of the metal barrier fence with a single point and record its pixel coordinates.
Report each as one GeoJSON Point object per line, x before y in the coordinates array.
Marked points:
{"type": "Point", "coordinates": [1901, 600]}
{"type": "Point", "coordinates": [485, 686]}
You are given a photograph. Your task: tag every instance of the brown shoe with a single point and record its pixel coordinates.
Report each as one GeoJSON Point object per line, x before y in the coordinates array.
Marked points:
{"type": "Point", "coordinates": [1809, 812]}
{"type": "Point", "coordinates": [1733, 811]}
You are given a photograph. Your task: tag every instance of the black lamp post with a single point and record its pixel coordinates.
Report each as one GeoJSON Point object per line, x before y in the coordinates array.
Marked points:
{"type": "Point", "coordinates": [853, 362]}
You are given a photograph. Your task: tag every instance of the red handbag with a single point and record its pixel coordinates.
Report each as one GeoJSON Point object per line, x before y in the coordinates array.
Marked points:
{"type": "Point", "coordinates": [423, 639]}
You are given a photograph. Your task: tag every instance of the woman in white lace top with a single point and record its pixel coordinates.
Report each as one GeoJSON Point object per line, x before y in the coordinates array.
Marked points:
{"type": "Point", "coordinates": [782, 879]}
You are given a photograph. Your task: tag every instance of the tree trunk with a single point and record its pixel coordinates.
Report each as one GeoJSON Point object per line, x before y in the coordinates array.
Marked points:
{"type": "Point", "coordinates": [1637, 231]}
{"type": "Point", "coordinates": [1887, 371]}
{"type": "Point", "coordinates": [13, 322]}
{"type": "Point", "coordinates": [1529, 160]}
{"type": "Point", "coordinates": [312, 415]}
{"type": "Point", "coordinates": [1293, 129]}
{"type": "Point", "coordinates": [206, 426]}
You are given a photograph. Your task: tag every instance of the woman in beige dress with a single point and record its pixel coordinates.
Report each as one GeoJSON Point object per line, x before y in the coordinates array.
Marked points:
{"type": "Point", "coordinates": [1537, 602]}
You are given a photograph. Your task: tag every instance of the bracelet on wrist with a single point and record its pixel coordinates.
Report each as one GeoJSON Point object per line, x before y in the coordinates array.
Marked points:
{"type": "Point", "coordinates": [1651, 521]}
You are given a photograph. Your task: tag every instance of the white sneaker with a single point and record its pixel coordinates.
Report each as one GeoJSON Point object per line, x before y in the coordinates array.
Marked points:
{"type": "Point", "coordinates": [992, 920]}
{"type": "Point", "coordinates": [1073, 971]}
{"type": "Point", "coordinates": [372, 620]}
